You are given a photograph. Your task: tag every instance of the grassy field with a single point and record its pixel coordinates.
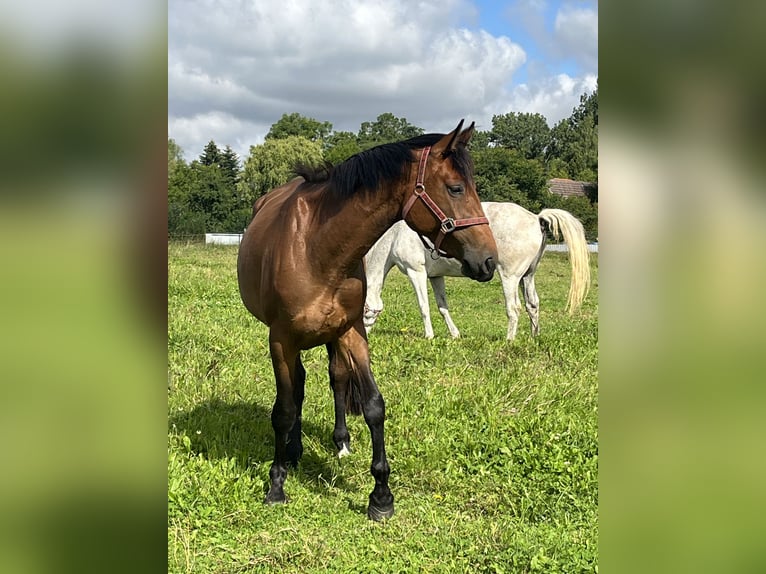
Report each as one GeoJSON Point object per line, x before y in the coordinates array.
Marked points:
{"type": "Point", "coordinates": [493, 446]}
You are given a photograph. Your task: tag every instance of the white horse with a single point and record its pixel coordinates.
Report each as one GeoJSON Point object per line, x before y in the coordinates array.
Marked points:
{"type": "Point", "coordinates": [520, 238]}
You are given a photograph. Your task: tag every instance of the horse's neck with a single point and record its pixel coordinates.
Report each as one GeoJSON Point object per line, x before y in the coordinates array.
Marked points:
{"type": "Point", "coordinates": [360, 222]}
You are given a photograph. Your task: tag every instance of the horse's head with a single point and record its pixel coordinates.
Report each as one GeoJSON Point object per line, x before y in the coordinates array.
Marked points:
{"type": "Point", "coordinates": [445, 207]}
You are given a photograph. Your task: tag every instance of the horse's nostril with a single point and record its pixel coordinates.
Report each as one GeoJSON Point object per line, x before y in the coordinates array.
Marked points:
{"type": "Point", "coordinates": [489, 264]}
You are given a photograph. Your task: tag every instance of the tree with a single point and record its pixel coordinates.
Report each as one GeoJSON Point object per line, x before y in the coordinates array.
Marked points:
{"type": "Point", "coordinates": [271, 164]}
{"type": "Point", "coordinates": [574, 140]}
{"type": "Point", "coordinates": [340, 146]}
{"type": "Point", "coordinates": [504, 175]}
{"type": "Point", "coordinates": [181, 218]}
{"type": "Point", "coordinates": [202, 196]}
{"type": "Point", "coordinates": [386, 128]}
{"type": "Point", "coordinates": [211, 155]}
{"type": "Point", "coordinates": [480, 140]}
{"type": "Point", "coordinates": [175, 156]}
{"type": "Point", "coordinates": [229, 163]}
{"type": "Point", "coordinates": [297, 125]}
{"type": "Point", "coordinates": [527, 133]}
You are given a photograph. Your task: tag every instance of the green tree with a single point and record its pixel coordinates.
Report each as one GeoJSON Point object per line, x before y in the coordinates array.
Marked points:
{"type": "Point", "coordinates": [181, 219]}
{"type": "Point", "coordinates": [229, 163]}
{"type": "Point", "coordinates": [211, 155]}
{"type": "Point", "coordinates": [271, 164]}
{"type": "Point", "coordinates": [505, 175]}
{"type": "Point", "coordinates": [527, 133]}
{"type": "Point", "coordinates": [340, 146]}
{"type": "Point", "coordinates": [386, 128]}
{"type": "Point", "coordinates": [574, 141]}
{"type": "Point", "coordinates": [480, 140]}
{"type": "Point", "coordinates": [297, 125]}
{"type": "Point", "coordinates": [175, 156]}
{"type": "Point", "coordinates": [202, 196]}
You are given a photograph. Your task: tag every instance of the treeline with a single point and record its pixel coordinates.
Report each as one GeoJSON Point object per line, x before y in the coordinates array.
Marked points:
{"type": "Point", "coordinates": [514, 161]}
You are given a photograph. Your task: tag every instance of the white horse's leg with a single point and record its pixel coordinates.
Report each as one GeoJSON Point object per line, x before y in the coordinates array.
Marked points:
{"type": "Point", "coordinates": [418, 279]}
{"type": "Point", "coordinates": [373, 304]}
{"type": "Point", "coordinates": [532, 302]}
{"type": "Point", "coordinates": [440, 293]}
{"type": "Point", "coordinates": [512, 303]}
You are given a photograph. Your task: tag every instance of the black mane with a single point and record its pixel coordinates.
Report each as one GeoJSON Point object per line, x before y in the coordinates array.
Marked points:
{"type": "Point", "coordinates": [384, 163]}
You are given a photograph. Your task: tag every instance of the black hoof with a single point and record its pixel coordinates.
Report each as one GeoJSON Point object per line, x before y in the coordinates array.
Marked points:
{"type": "Point", "coordinates": [378, 514]}
{"type": "Point", "coordinates": [272, 499]}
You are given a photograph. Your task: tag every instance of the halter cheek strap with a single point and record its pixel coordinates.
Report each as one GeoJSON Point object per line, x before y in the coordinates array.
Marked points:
{"type": "Point", "coordinates": [446, 224]}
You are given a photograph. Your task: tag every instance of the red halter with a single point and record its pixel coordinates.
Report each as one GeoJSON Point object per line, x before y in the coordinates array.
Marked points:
{"type": "Point", "coordinates": [447, 224]}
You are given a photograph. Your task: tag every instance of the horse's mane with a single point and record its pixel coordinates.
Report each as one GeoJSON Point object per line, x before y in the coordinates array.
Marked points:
{"type": "Point", "coordinates": [384, 163]}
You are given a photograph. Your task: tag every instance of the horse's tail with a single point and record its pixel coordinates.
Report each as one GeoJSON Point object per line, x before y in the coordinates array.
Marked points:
{"type": "Point", "coordinates": [563, 223]}
{"type": "Point", "coordinates": [356, 391]}
{"type": "Point", "coordinates": [354, 396]}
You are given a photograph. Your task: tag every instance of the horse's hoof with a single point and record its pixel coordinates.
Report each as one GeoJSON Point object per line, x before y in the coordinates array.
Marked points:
{"type": "Point", "coordinates": [377, 514]}
{"type": "Point", "coordinates": [344, 450]}
{"type": "Point", "coordinates": [272, 499]}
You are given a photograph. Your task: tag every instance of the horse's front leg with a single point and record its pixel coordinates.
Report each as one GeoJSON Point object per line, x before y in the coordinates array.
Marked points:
{"type": "Point", "coordinates": [284, 358]}
{"type": "Point", "coordinates": [418, 278]}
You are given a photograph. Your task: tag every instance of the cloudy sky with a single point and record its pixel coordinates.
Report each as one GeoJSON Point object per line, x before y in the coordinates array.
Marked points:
{"type": "Point", "coordinates": [235, 66]}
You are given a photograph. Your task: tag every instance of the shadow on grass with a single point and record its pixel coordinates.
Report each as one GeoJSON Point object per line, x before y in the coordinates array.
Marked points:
{"type": "Point", "coordinates": [242, 430]}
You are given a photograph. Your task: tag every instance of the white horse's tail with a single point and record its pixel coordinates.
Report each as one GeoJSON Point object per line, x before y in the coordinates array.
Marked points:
{"type": "Point", "coordinates": [563, 223]}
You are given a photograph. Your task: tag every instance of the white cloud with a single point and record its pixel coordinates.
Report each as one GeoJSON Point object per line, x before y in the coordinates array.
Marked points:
{"type": "Point", "coordinates": [576, 35]}
{"type": "Point", "coordinates": [221, 127]}
{"type": "Point", "coordinates": [235, 66]}
{"type": "Point", "coordinates": [554, 97]}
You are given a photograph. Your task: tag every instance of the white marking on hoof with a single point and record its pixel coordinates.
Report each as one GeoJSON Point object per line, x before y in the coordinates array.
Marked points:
{"type": "Point", "coordinates": [344, 451]}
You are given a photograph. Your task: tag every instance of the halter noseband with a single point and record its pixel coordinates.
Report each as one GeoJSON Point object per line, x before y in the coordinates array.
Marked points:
{"type": "Point", "coordinates": [446, 224]}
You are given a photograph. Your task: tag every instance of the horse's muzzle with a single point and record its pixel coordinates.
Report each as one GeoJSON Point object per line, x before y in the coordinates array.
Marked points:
{"type": "Point", "coordinates": [482, 273]}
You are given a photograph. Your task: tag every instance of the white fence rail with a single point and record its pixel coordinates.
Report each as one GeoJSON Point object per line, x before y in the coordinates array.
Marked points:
{"type": "Point", "coordinates": [223, 238]}
{"type": "Point", "coordinates": [592, 247]}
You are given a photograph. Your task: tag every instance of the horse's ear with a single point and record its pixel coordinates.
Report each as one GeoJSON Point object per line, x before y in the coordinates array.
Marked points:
{"type": "Point", "coordinates": [447, 144]}
{"type": "Point", "coordinates": [467, 134]}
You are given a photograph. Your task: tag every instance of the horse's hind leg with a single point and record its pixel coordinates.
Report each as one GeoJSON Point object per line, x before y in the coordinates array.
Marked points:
{"type": "Point", "coordinates": [440, 294]}
{"type": "Point", "coordinates": [339, 381]}
{"type": "Point", "coordinates": [284, 359]}
{"type": "Point", "coordinates": [355, 359]}
{"type": "Point", "coordinates": [294, 438]}
{"type": "Point", "coordinates": [532, 302]}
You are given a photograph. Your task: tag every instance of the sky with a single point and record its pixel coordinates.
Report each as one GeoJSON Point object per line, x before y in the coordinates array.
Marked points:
{"type": "Point", "coordinates": [236, 66]}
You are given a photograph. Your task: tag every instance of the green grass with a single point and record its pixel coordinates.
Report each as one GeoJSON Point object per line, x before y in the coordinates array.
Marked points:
{"type": "Point", "coordinates": [493, 446]}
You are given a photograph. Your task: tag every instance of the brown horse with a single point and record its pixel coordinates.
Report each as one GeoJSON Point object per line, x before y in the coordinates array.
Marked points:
{"type": "Point", "coordinates": [300, 272]}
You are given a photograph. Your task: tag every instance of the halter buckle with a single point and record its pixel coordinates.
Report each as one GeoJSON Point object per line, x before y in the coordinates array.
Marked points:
{"type": "Point", "coordinates": [420, 189]}
{"type": "Point", "coordinates": [448, 225]}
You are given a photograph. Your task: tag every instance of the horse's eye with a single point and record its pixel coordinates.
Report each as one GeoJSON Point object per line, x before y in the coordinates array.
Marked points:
{"type": "Point", "coordinates": [455, 189]}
